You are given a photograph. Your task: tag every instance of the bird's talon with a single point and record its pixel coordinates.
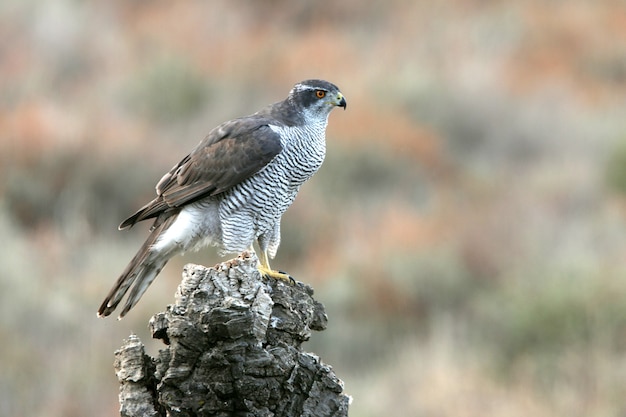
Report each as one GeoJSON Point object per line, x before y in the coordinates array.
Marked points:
{"type": "Point", "coordinates": [277, 275]}
{"type": "Point", "coordinates": [292, 280]}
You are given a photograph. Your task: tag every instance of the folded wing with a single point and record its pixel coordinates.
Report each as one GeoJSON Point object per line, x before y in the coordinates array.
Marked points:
{"type": "Point", "coordinates": [230, 154]}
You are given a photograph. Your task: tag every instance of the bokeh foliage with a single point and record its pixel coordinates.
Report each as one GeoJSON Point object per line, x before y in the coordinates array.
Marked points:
{"type": "Point", "coordinates": [466, 232]}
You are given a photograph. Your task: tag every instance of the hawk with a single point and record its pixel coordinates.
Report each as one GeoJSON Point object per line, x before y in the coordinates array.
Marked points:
{"type": "Point", "coordinates": [233, 188]}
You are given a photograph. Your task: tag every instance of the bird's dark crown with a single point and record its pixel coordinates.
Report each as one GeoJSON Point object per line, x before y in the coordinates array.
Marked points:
{"type": "Point", "coordinates": [304, 93]}
{"type": "Point", "coordinates": [315, 85]}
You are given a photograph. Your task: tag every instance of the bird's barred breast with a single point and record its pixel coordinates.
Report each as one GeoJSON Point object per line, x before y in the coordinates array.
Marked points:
{"type": "Point", "coordinates": [260, 201]}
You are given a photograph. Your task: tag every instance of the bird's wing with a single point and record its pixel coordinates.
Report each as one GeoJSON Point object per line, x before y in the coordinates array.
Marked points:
{"type": "Point", "coordinates": [231, 153]}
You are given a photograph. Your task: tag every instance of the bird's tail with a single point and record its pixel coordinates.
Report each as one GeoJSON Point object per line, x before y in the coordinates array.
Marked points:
{"type": "Point", "coordinates": [139, 273]}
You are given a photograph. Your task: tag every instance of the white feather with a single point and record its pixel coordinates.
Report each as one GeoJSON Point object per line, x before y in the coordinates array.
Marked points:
{"type": "Point", "coordinates": [196, 226]}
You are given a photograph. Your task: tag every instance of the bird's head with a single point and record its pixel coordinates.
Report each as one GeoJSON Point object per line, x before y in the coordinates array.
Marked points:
{"type": "Point", "coordinates": [317, 98]}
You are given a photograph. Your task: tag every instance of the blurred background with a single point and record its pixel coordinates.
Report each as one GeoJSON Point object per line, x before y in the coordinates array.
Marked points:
{"type": "Point", "coordinates": [466, 232]}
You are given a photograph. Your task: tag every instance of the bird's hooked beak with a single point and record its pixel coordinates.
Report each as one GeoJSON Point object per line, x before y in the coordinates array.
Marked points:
{"type": "Point", "coordinates": [341, 101]}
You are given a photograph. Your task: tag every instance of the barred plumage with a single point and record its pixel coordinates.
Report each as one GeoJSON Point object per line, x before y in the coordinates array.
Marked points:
{"type": "Point", "coordinates": [233, 188]}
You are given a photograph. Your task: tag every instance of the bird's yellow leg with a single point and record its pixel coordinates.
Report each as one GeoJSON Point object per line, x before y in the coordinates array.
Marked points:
{"type": "Point", "coordinates": [267, 271]}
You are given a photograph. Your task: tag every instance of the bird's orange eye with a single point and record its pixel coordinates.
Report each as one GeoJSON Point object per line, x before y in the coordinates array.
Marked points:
{"type": "Point", "coordinates": [320, 93]}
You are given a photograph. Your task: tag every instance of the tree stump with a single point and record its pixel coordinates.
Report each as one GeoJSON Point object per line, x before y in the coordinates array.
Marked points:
{"type": "Point", "coordinates": [233, 349]}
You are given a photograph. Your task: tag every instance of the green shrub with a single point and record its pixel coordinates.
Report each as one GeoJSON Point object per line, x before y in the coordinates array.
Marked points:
{"type": "Point", "coordinates": [166, 90]}
{"type": "Point", "coordinates": [616, 169]}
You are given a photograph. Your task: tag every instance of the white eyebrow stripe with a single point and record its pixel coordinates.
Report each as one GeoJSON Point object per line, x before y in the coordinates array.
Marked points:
{"type": "Point", "coordinates": [308, 87]}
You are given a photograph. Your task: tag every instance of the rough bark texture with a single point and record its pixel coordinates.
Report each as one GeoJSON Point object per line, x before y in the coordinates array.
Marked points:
{"type": "Point", "coordinates": [233, 349]}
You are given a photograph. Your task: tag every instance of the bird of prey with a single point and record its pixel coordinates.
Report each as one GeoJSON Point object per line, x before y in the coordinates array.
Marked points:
{"type": "Point", "coordinates": [233, 188]}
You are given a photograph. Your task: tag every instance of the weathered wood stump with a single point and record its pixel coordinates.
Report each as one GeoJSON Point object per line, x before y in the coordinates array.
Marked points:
{"type": "Point", "coordinates": [233, 349]}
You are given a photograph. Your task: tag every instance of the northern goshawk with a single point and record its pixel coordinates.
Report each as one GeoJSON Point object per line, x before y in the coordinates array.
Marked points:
{"type": "Point", "coordinates": [233, 188]}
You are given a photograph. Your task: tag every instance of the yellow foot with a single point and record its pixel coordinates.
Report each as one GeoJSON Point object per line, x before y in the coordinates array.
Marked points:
{"type": "Point", "coordinates": [270, 273]}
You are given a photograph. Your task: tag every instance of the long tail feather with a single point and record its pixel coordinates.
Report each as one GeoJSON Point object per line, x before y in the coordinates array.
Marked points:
{"type": "Point", "coordinates": [145, 278]}
{"type": "Point", "coordinates": [153, 209]}
{"type": "Point", "coordinates": [139, 273]}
